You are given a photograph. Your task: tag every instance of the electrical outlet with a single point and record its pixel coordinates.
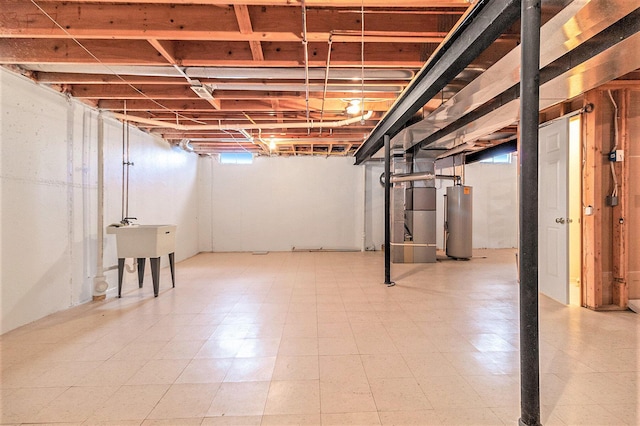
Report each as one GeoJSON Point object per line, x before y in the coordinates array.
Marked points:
{"type": "Point", "coordinates": [617, 155]}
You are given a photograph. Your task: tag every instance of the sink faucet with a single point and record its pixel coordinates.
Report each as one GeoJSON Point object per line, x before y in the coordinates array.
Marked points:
{"type": "Point", "coordinates": [128, 220]}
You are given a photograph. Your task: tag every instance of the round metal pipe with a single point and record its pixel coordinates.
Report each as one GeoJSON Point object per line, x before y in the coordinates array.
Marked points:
{"type": "Point", "coordinates": [411, 177]}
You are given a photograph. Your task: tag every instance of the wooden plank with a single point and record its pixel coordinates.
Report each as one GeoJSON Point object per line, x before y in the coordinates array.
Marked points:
{"type": "Point", "coordinates": [200, 105]}
{"type": "Point", "coordinates": [592, 196]}
{"type": "Point", "coordinates": [204, 53]}
{"type": "Point", "coordinates": [166, 49]}
{"type": "Point", "coordinates": [215, 103]}
{"type": "Point", "coordinates": [157, 91]}
{"type": "Point", "coordinates": [244, 22]}
{"type": "Point", "coordinates": [275, 104]}
{"type": "Point", "coordinates": [461, 4]}
{"type": "Point", "coordinates": [72, 78]}
{"type": "Point", "coordinates": [621, 84]}
{"type": "Point", "coordinates": [621, 211]}
{"type": "Point", "coordinates": [91, 20]}
{"type": "Point", "coordinates": [193, 22]}
{"type": "Point", "coordinates": [110, 52]}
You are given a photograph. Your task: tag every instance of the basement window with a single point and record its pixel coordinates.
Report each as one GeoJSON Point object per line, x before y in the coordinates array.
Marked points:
{"type": "Point", "coordinates": [235, 158]}
{"type": "Point", "coordinates": [498, 159]}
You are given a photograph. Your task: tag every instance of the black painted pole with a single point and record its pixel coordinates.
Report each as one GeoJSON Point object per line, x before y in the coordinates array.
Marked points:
{"type": "Point", "coordinates": [529, 113]}
{"type": "Point", "coordinates": [387, 210]}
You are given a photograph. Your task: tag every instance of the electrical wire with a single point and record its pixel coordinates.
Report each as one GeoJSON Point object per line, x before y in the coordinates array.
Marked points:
{"type": "Point", "coordinates": [233, 137]}
{"type": "Point", "coordinates": [305, 44]}
{"type": "Point", "coordinates": [326, 80]}
{"type": "Point", "coordinates": [614, 193]}
{"type": "Point", "coordinates": [362, 54]}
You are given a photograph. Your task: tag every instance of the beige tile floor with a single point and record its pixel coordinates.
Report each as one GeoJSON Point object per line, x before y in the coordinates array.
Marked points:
{"type": "Point", "coordinates": [315, 338]}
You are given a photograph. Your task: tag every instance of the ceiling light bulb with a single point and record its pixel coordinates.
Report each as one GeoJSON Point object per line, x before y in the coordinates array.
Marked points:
{"type": "Point", "coordinates": [354, 107]}
{"type": "Point", "coordinates": [272, 144]}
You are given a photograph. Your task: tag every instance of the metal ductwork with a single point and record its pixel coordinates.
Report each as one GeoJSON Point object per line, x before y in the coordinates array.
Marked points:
{"type": "Point", "coordinates": [560, 38]}
{"type": "Point", "coordinates": [228, 73]}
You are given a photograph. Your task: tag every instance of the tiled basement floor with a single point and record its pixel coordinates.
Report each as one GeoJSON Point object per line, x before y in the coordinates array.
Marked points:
{"type": "Point", "coordinates": [315, 338]}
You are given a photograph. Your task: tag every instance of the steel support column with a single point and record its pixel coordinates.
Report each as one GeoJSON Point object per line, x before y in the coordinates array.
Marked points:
{"type": "Point", "coordinates": [529, 113]}
{"type": "Point", "coordinates": [387, 210]}
{"type": "Point", "coordinates": [479, 28]}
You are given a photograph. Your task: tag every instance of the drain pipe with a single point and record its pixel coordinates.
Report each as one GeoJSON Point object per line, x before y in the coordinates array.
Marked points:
{"type": "Point", "coordinates": [305, 44]}
{"type": "Point", "coordinates": [326, 81]}
{"type": "Point", "coordinates": [364, 208]}
{"type": "Point", "coordinates": [411, 177]}
{"type": "Point", "coordinates": [100, 284]}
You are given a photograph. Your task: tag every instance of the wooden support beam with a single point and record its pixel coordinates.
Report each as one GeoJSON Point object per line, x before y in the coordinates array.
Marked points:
{"type": "Point", "coordinates": [244, 22]}
{"type": "Point", "coordinates": [275, 103]}
{"type": "Point", "coordinates": [291, 54]}
{"type": "Point", "coordinates": [264, 105]}
{"type": "Point", "coordinates": [166, 49]}
{"type": "Point", "coordinates": [194, 22]}
{"type": "Point", "coordinates": [593, 201]}
{"type": "Point", "coordinates": [157, 91]}
{"type": "Point", "coordinates": [620, 216]}
{"type": "Point", "coordinates": [433, 5]}
{"type": "Point", "coordinates": [72, 78]}
{"type": "Point", "coordinates": [108, 52]}
{"type": "Point", "coordinates": [203, 53]}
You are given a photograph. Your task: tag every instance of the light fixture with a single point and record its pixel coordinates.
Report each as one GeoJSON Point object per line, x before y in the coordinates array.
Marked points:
{"type": "Point", "coordinates": [272, 144]}
{"type": "Point", "coordinates": [354, 107]}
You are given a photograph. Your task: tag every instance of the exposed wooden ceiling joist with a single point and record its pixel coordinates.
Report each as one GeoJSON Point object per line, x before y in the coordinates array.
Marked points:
{"type": "Point", "coordinates": [142, 53]}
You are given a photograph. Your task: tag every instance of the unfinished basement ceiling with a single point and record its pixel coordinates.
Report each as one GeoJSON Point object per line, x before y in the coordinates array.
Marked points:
{"type": "Point", "coordinates": [242, 75]}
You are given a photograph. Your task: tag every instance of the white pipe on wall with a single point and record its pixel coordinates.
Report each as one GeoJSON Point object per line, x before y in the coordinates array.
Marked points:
{"type": "Point", "coordinates": [100, 284]}
{"type": "Point", "coordinates": [364, 208]}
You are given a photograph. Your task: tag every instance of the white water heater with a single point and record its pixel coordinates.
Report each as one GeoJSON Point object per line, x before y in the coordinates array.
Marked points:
{"type": "Point", "coordinates": [459, 222]}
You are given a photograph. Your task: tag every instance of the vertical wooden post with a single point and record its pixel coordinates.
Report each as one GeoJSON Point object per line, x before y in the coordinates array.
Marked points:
{"type": "Point", "coordinates": [621, 211]}
{"type": "Point", "coordinates": [592, 197]}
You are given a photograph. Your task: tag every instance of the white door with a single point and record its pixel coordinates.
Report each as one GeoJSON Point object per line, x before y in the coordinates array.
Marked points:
{"type": "Point", "coordinates": [553, 211]}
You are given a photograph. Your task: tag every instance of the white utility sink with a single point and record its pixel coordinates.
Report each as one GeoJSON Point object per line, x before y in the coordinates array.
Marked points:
{"type": "Point", "coordinates": [142, 241]}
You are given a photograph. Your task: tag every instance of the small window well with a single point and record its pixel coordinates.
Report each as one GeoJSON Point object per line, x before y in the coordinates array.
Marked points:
{"type": "Point", "coordinates": [501, 159]}
{"type": "Point", "coordinates": [235, 158]}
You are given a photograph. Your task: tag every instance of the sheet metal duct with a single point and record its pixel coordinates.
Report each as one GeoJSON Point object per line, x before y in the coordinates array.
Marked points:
{"type": "Point", "coordinates": [230, 73]}
{"type": "Point", "coordinates": [572, 27]}
{"type": "Point", "coordinates": [609, 65]}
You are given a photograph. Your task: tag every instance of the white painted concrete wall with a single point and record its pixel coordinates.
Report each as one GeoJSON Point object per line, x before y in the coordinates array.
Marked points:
{"type": "Point", "coordinates": [495, 204]}
{"type": "Point", "coordinates": [374, 211]}
{"type": "Point", "coordinates": [48, 182]}
{"type": "Point", "coordinates": [48, 211]}
{"type": "Point", "coordinates": [278, 203]}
